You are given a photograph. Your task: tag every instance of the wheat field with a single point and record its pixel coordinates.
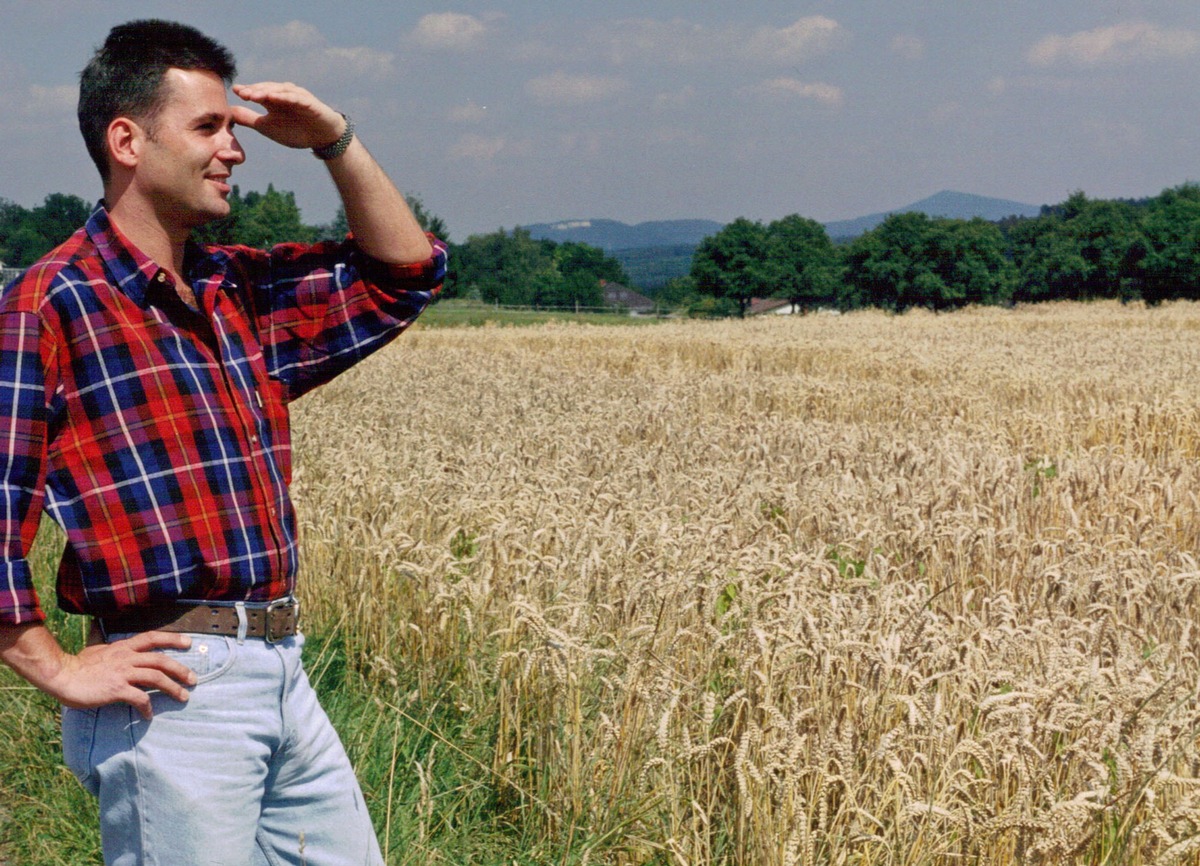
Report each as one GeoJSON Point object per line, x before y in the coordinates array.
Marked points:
{"type": "Point", "coordinates": [856, 589]}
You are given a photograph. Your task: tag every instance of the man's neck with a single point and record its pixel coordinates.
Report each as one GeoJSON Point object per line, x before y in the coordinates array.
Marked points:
{"type": "Point", "coordinates": [156, 240]}
{"type": "Point", "coordinates": [162, 243]}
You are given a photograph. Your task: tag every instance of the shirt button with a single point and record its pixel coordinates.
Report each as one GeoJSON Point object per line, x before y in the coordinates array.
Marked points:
{"type": "Point", "coordinates": [162, 277]}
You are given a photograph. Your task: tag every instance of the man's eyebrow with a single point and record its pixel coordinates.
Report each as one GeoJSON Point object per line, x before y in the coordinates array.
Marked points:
{"type": "Point", "coordinates": [213, 116]}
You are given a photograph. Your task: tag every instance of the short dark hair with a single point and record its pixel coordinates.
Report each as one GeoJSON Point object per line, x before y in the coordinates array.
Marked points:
{"type": "Point", "coordinates": [124, 77]}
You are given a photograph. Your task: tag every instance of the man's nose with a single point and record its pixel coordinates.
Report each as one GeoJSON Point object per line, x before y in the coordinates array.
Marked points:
{"type": "Point", "coordinates": [232, 151]}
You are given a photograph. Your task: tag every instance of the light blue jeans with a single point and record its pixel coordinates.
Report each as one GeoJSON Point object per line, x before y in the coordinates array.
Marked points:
{"type": "Point", "coordinates": [248, 772]}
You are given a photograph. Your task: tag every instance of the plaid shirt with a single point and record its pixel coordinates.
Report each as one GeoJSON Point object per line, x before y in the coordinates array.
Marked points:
{"type": "Point", "coordinates": [157, 437]}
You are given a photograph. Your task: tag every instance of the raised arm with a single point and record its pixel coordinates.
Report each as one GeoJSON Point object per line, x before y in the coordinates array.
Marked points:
{"type": "Point", "coordinates": [380, 219]}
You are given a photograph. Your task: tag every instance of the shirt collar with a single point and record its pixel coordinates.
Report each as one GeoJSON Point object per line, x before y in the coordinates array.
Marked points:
{"type": "Point", "coordinates": [131, 270]}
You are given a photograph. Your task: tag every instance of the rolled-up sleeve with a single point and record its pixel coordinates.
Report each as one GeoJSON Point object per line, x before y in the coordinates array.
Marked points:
{"type": "Point", "coordinates": [320, 309]}
{"type": "Point", "coordinates": [24, 359]}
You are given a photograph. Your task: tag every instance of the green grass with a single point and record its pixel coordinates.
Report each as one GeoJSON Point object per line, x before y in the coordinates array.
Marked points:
{"type": "Point", "coordinates": [455, 313]}
{"type": "Point", "coordinates": [423, 761]}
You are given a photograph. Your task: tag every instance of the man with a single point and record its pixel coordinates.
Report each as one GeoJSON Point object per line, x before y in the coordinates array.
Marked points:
{"type": "Point", "coordinates": [144, 383]}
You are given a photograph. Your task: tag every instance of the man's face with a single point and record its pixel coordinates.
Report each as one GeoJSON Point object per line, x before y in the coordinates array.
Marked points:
{"type": "Point", "coordinates": [190, 151]}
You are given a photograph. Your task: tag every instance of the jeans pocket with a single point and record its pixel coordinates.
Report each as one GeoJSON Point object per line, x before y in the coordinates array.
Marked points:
{"type": "Point", "coordinates": [78, 740]}
{"type": "Point", "coordinates": [208, 657]}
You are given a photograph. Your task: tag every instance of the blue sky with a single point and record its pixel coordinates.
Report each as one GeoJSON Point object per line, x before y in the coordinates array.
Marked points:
{"type": "Point", "coordinates": [502, 113]}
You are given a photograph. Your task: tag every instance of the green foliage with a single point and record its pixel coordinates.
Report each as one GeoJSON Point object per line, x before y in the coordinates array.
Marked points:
{"type": "Point", "coordinates": [431, 222]}
{"type": "Point", "coordinates": [27, 235]}
{"type": "Point", "coordinates": [911, 260]}
{"type": "Point", "coordinates": [848, 567]}
{"type": "Point", "coordinates": [1082, 250]}
{"type": "Point", "coordinates": [1171, 232]}
{"type": "Point", "coordinates": [677, 292]}
{"type": "Point", "coordinates": [708, 307]}
{"type": "Point", "coordinates": [459, 313]}
{"type": "Point", "coordinates": [734, 264]}
{"type": "Point", "coordinates": [802, 262]}
{"type": "Point", "coordinates": [259, 220]}
{"type": "Point", "coordinates": [1040, 471]}
{"type": "Point", "coordinates": [515, 269]}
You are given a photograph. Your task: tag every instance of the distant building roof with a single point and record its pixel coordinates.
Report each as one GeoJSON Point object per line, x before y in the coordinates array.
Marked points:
{"type": "Point", "coordinates": [758, 306]}
{"type": "Point", "coordinates": [617, 295]}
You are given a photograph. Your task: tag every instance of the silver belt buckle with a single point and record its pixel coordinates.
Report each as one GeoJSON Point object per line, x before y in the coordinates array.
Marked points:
{"type": "Point", "coordinates": [279, 604]}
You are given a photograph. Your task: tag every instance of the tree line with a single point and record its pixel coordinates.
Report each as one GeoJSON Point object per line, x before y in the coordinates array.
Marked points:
{"type": "Point", "coordinates": [509, 268]}
{"type": "Point", "coordinates": [1081, 249]}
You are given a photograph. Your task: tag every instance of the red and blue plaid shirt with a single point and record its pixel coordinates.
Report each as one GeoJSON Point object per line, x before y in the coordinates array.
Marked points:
{"type": "Point", "coordinates": [156, 436]}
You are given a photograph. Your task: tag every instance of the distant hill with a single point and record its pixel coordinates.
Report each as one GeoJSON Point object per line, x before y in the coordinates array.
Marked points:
{"type": "Point", "coordinates": [653, 253]}
{"type": "Point", "coordinates": [611, 235]}
{"type": "Point", "coordinates": [955, 205]}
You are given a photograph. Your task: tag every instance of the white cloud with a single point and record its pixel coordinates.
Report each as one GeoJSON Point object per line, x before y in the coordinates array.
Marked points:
{"type": "Point", "coordinates": [908, 46]}
{"type": "Point", "coordinates": [564, 90]}
{"type": "Point", "coordinates": [478, 148]}
{"type": "Point", "coordinates": [59, 99]}
{"type": "Point", "coordinates": [675, 99]}
{"type": "Point", "coordinates": [470, 112]}
{"type": "Point", "coordinates": [298, 51]}
{"type": "Point", "coordinates": [683, 43]}
{"type": "Point", "coordinates": [1122, 43]}
{"type": "Point", "coordinates": [809, 36]}
{"type": "Point", "coordinates": [677, 41]}
{"type": "Point", "coordinates": [826, 94]}
{"type": "Point", "coordinates": [450, 31]}
{"type": "Point", "coordinates": [292, 36]}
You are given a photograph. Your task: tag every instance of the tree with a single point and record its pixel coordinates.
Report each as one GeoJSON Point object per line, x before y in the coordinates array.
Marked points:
{"type": "Point", "coordinates": [802, 262]}
{"type": "Point", "coordinates": [733, 264]}
{"type": "Point", "coordinates": [678, 292]}
{"type": "Point", "coordinates": [883, 265]}
{"type": "Point", "coordinates": [517, 269]}
{"type": "Point", "coordinates": [271, 218]}
{"type": "Point", "coordinates": [27, 235]}
{"type": "Point", "coordinates": [911, 260]}
{"type": "Point", "coordinates": [1171, 228]}
{"type": "Point", "coordinates": [58, 216]}
{"type": "Point", "coordinates": [25, 246]}
{"type": "Point", "coordinates": [1084, 249]}
{"type": "Point", "coordinates": [505, 269]}
{"type": "Point", "coordinates": [432, 223]}
{"type": "Point", "coordinates": [970, 261]}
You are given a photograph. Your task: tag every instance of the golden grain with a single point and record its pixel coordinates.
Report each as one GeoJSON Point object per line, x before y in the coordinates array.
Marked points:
{"type": "Point", "coordinates": [857, 589]}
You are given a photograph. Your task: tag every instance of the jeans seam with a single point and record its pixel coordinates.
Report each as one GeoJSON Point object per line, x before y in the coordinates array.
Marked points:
{"type": "Point", "coordinates": [267, 851]}
{"type": "Point", "coordinates": [145, 855]}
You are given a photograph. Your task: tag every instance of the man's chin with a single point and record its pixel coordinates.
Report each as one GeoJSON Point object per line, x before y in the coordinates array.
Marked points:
{"type": "Point", "coordinates": [211, 214]}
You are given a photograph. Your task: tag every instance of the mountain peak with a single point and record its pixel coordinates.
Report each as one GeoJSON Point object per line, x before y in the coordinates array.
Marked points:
{"type": "Point", "coordinates": [947, 203]}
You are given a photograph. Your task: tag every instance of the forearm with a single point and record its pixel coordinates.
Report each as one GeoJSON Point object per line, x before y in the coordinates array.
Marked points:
{"type": "Point", "coordinates": [33, 652]}
{"type": "Point", "coordinates": [380, 219]}
{"type": "Point", "coordinates": [124, 671]}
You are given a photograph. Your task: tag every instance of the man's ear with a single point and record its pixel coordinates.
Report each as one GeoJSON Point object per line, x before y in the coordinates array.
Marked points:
{"type": "Point", "coordinates": [126, 142]}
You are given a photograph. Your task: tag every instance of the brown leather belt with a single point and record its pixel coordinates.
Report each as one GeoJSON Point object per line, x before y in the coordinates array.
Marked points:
{"type": "Point", "coordinates": [272, 621]}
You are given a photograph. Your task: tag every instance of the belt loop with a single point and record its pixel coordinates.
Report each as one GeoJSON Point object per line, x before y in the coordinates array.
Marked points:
{"type": "Point", "coordinates": [240, 607]}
